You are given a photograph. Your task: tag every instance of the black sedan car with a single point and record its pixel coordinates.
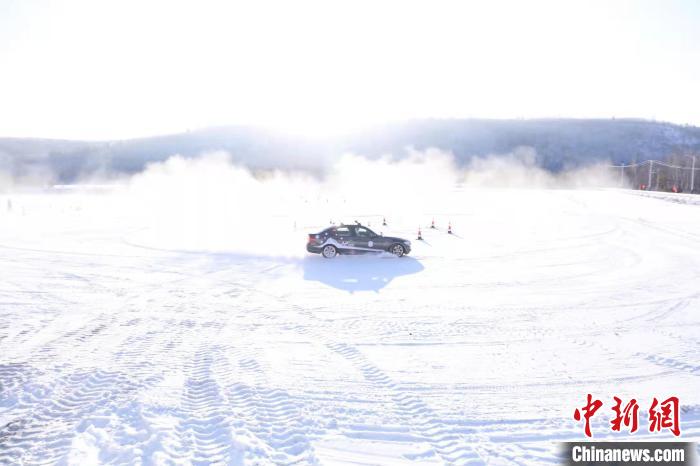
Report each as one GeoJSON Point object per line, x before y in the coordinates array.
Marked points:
{"type": "Point", "coordinates": [354, 239]}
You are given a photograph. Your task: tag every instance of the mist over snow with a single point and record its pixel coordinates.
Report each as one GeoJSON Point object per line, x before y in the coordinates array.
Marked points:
{"type": "Point", "coordinates": [519, 169]}
{"type": "Point", "coordinates": [210, 203]}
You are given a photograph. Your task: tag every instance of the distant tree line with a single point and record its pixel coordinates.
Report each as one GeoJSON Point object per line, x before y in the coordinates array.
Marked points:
{"type": "Point", "coordinates": [558, 143]}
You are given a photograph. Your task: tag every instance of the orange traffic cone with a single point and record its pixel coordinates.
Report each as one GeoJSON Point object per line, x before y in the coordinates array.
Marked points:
{"type": "Point", "coordinates": [384, 221]}
{"type": "Point", "coordinates": [432, 224]}
{"type": "Point", "coordinates": [449, 228]}
{"type": "Point", "coordinates": [419, 234]}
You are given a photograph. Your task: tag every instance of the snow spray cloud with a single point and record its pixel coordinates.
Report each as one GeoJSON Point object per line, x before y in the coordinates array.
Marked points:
{"type": "Point", "coordinates": [210, 204]}
{"type": "Point", "coordinates": [10, 180]}
{"type": "Point", "coordinates": [519, 169]}
{"type": "Point", "coordinates": [6, 182]}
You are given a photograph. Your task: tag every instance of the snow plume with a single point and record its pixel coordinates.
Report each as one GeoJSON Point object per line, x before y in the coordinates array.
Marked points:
{"type": "Point", "coordinates": [10, 180]}
{"type": "Point", "coordinates": [519, 169]}
{"type": "Point", "coordinates": [5, 181]}
{"type": "Point", "coordinates": [412, 184]}
{"type": "Point", "coordinates": [208, 203]}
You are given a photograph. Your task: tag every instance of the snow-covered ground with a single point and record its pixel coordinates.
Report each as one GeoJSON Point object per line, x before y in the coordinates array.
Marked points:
{"type": "Point", "coordinates": [118, 345]}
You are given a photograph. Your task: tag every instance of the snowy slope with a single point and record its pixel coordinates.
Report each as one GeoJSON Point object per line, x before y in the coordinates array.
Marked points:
{"type": "Point", "coordinates": [118, 346]}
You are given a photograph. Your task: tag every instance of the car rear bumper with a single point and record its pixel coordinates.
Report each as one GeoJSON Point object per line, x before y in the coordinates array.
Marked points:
{"type": "Point", "coordinates": [314, 248]}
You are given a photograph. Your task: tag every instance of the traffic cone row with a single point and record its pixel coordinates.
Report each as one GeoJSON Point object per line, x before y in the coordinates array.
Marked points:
{"type": "Point", "coordinates": [432, 225]}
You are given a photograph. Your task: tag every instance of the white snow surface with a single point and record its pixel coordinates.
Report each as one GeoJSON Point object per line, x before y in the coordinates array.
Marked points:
{"type": "Point", "coordinates": [124, 343]}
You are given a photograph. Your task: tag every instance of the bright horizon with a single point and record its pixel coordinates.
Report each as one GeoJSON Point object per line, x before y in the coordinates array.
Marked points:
{"type": "Point", "coordinates": [89, 70]}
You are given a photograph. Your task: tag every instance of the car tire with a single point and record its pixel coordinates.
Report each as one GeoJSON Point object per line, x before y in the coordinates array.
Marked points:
{"type": "Point", "coordinates": [329, 251]}
{"type": "Point", "coordinates": [397, 250]}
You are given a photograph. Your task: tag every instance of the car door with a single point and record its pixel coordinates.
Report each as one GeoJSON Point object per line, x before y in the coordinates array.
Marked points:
{"type": "Point", "coordinates": [343, 236]}
{"type": "Point", "coordinates": [365, 238]}
{"type": "Point", "coordinates": [379, 242]}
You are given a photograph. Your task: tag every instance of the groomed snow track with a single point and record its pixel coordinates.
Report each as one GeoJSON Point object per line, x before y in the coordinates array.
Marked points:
{"type": "Point", "coordinates": [476, 349]}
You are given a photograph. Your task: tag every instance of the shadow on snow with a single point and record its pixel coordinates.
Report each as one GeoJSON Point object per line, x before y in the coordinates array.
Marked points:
{"type": "Point", "coordinates": [358, 273]}
{"type": "Point", "coordinates": [364, 272]}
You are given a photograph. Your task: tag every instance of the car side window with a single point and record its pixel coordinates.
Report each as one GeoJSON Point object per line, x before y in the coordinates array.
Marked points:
{"type": "Point", "coordinates": [342, 231]}
{"type": "Point", "coordinates": [364, 232]}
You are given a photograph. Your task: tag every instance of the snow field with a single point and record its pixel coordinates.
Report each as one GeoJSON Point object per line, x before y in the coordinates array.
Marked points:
{"type": "Point", "coordinates": [131, 337]}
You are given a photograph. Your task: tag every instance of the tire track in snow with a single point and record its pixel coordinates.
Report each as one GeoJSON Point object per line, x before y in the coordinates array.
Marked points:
{"type": "Point", "coordinates": [671, 363]}
{"type": "Point", "coordinates": [228, 410]}
{"type": "Point", "coordinates": [48, 416]}
{"type": "Point", "coordinates": [53, 408]}
{"type": "Point", "coordinates": [449, 442]}
{"type": "Point", "coordinates": [224, 420]}
{"type": "Point", "coordinates": [276, 419]}
{"type": "Point", "coordinates": [204, 431]}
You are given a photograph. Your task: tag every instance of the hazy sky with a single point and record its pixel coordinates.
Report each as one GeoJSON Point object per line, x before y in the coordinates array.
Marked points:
{"type": "Point", "coordinates": [100, 69]}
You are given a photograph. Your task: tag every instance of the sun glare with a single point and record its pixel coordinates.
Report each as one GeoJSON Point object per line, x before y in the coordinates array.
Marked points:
{"type": "Point", "coordinates": [129, 69]}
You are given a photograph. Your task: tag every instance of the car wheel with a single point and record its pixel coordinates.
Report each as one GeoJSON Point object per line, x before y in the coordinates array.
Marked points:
{"type": "Point", "coordinates": [397, 250]}
{"type": "Point", "coordinates": [329, 252]}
